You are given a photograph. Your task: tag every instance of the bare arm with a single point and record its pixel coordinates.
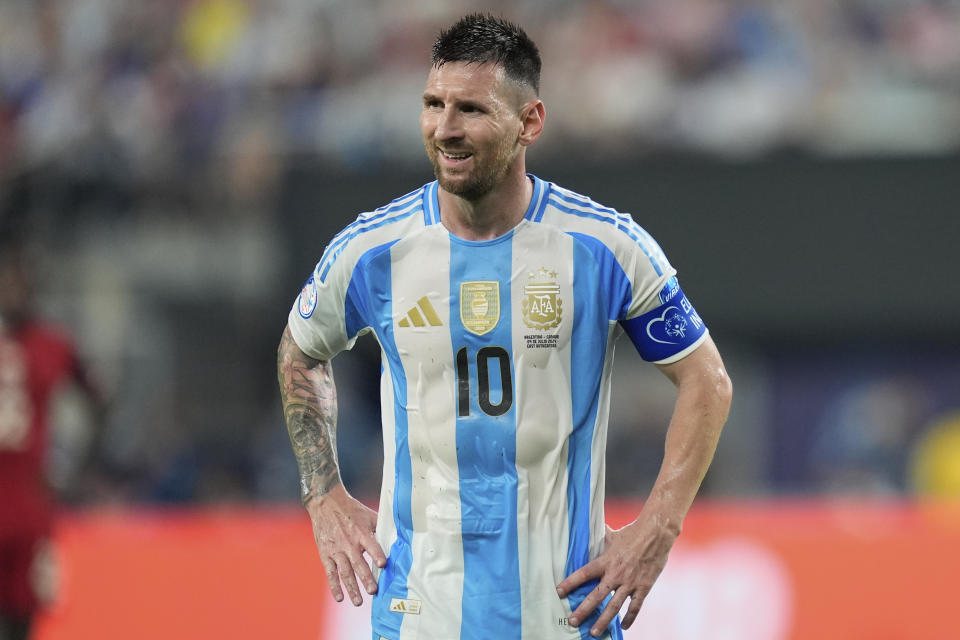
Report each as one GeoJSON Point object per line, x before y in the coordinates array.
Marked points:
{"type": "Point", "coordinates": [634, 556]}
{"type": "Point", "coordinates": [343, 528]}
{"type": "Point", "coordinates": [704, 393]}
{"type": "Point", "coordinates": [310, 409]}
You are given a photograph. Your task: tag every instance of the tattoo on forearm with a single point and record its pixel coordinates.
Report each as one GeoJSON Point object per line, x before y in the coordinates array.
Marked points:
{"type": "Point", "coordinates": [310, 410]}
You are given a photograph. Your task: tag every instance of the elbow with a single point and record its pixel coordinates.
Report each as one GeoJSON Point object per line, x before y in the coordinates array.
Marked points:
{"type": "Point", "coordinates": [723, 391]}
{"type": "Point", "coordinates": [715, 389]}
{"type": "Point", "coordinates": [724, 387]}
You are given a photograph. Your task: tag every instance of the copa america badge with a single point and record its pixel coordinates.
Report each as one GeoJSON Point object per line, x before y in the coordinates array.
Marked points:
{"type": "Point", "coordinates": [308, 298]}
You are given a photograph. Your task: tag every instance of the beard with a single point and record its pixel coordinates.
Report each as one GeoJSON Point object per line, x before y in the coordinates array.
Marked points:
{"type": "Point", "coordinates": [481, 179]}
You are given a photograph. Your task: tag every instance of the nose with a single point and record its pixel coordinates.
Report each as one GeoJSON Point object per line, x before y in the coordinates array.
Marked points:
{"type": "Point", "coordinates": [448, 124]}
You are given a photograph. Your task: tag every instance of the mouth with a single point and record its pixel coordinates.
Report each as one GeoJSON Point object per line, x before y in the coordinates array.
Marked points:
{"type": "Point", "coordinates": [455, 158]}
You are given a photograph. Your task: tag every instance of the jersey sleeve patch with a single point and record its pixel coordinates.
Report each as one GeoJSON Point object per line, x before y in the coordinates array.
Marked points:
{"type": "Point", "coordinates": [670, 290]}
{"type": "Point", "coordinates": [308, 299]}
{"type": "Point", "coordinates": [667, 330]}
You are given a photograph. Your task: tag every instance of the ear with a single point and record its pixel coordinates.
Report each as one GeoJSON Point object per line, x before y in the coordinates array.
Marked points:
{"type": "Point", "coordinates": [531, 121]}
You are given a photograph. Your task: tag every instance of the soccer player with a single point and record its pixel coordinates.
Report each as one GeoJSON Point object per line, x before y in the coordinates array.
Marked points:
{"type": "Point", "coordinates": [35, 359]}
{"type": "Point", "coordinates": [496, 298]}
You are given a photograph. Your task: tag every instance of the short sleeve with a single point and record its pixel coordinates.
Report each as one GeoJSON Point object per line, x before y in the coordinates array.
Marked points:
{"type": "Point", "coordinates": [660, 320]}
{"type": "Point", "coordinates": [318, 318]}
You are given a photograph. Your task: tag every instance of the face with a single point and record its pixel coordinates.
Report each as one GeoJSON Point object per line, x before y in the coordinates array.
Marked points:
{"type": "Point", "coordinates": [471, 126]}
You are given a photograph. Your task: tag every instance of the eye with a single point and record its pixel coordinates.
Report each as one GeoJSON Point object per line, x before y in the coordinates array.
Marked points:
{"type": "Point", "coordinates": [432, 103]}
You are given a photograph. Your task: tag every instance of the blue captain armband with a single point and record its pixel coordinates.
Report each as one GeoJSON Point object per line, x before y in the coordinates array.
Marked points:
{"type": "Point", "coordinates": [668, 330]}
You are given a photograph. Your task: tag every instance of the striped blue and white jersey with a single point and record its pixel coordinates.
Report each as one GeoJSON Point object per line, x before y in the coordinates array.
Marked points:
{"type": "Point", "coordinates": [495, 394]}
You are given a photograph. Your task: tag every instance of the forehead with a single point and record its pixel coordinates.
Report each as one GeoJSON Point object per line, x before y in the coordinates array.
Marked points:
{"type": "Point", "coordinates": [467, 79]}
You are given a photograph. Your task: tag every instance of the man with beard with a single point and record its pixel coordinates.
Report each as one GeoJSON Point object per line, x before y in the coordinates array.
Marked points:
{"type": "Point", "coordinates": [496, 298]}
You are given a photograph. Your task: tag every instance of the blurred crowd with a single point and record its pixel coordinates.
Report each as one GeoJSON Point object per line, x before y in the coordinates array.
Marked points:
{"type": "Point", "coordinates": [146, 150]}
{"type": "Point", "coordinates": [155, 90]}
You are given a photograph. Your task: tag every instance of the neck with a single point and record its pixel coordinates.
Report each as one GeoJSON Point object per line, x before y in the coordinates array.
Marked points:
{"type": "Point", "coordinates": [491, 216]}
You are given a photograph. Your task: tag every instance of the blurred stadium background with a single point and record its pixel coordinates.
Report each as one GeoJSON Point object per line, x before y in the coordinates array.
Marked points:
{"type": "Point", "coordinates": [177, 166]}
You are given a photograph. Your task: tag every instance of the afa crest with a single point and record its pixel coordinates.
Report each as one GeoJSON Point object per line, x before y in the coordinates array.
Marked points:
{"type": "Point", "coordinates": [542, 306]}
{"type": "Point", "coordinates": [480, 305]}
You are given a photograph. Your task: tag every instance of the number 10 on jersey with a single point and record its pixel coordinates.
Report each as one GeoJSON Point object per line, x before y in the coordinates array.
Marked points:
{"type": "Point", "coordinates": [484, 357]}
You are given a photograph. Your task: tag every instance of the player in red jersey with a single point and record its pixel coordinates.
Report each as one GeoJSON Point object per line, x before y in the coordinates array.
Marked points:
{"type": "Point", "coordinates": [36, 358]}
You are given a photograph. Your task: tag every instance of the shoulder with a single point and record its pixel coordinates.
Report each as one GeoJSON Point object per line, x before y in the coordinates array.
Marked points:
{"type": "Point", "coordinates": [598, 225]}
{"type": "Point", "coordinates": [48, 346]}
{"type": "Point", "coordinates": [373, 231]}
{"type": "Point", "coordinates": [576, 212]}
{"type": "Point", "coordinates": [48, 335]}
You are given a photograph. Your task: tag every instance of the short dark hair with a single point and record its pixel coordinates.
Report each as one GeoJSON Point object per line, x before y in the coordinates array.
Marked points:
{"type": "Point", "coordinates": [481, 37]}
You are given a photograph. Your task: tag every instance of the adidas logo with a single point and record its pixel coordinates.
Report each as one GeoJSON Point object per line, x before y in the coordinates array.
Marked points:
{"type": "Point", "coordinates": [402, 605]}
{"type": "Point", "coordinates": [421, 315]}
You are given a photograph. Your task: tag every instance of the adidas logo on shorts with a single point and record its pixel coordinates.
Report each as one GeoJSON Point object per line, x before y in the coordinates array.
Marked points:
{"type": "Point", "coordinates": [402, 605]}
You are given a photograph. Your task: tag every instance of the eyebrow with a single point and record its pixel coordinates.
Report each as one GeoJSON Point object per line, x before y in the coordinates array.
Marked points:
{"type": "Point", "coordinates": [429, 95]}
